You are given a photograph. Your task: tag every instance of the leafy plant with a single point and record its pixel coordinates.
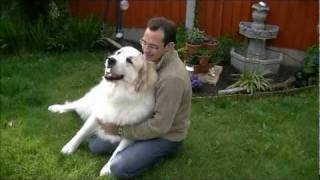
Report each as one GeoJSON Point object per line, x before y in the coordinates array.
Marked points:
{"type": "Point", "coordinates": [310, 72]}
{"type": "Point", "coordinates": [55, 44]}
{"type": "Point", "coordinates": [196, 36]}
{"type": "Point", "coordinates": [222, 53]}
{"type": "Point", "coordinates": [180, 52]}
{"type": "Point", "coordinates": [251, 82]}
{"type": "Point", "coordinates": [10, 9]}
{"type": "Point", "coordinates": [54, 30]}
{"type": "Point", "coordinates": [82, 33]}
{"type": "Point", "coordinates": [181, 37]}
{"type": "Point", "coordinates": [193, 59]}
{"type": "Point", "coordinates": [37, 32]}
{"type": "Point", "coordinates": [203, 52]}
{"type": "Point", "coordinates": [311, 61]}
{"type": "Point", "coordinates": [12, 35]}
{"type": "Point", "coordinates": [105, 32]}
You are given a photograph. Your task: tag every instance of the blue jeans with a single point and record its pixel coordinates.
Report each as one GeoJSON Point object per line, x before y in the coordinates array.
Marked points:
{"type": "Point", "coordinates": [135, 158]}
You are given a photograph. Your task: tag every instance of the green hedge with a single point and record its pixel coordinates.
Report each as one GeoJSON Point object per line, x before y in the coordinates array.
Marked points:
{"type": "Point", "coordinates": [55, 30]}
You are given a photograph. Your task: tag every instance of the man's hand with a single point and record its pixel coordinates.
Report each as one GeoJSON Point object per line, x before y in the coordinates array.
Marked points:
{"type": "Point", "coordinates": [108, 128]}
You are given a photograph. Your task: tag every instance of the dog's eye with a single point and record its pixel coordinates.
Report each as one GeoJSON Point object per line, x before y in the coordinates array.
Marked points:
{"type": "Point", "coordinates": [118, 52]}
{"type": "Point", "coordinates": [129, 60]}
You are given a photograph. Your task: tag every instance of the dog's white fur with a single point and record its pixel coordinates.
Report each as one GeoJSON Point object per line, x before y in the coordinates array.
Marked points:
{"type": "Point", "coordinates": [125, 96]}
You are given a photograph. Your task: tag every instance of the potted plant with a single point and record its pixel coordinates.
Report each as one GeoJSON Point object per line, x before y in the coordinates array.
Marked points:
{"type": "Point", "coordinates": [195, 39]}
{"type": "Point", "coordinates": [199, 61]}
{"type": "Point", "coordinates": [211, 43]}
{"type": "Point", "coordinates": [204, 56]}
{"type": "Point", "coordinates": [192, 60]}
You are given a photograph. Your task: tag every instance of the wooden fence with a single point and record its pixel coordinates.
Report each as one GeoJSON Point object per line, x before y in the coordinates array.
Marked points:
{"type": "Point", "coordinates": [298, 19]}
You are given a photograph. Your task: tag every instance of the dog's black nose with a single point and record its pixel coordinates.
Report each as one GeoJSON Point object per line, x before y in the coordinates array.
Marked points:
{"type": "Point", "coordinates": [111, 62]}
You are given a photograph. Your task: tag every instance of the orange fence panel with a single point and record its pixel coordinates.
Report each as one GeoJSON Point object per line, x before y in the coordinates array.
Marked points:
{"type": "Point", "coordinates": [298, 19]}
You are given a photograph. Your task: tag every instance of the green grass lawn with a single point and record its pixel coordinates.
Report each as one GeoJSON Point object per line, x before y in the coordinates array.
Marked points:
{"type": "Point", "coordinates": [230, 138]}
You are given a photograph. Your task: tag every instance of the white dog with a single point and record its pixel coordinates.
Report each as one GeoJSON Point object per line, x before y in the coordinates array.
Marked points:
{"type": "Point", "coordinates": [125, 96]}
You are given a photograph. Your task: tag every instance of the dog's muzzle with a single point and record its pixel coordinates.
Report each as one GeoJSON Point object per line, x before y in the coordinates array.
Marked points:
{"type": "Point", "coordinates": [111, 76]}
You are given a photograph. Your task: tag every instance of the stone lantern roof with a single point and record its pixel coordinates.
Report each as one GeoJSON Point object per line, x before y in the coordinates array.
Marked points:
{"type": "Point", "coordinates": [261, 6]}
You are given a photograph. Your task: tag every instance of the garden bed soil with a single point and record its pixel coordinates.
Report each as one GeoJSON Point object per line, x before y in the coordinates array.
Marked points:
{"type": "Point", "coordinates": [226, 79]}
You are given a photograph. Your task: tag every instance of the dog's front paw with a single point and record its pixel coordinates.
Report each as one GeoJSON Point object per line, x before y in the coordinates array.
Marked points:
{"type": "Point", "coordinates": [57, 108]}
{"type": "Point", "coordinates": [105, 171]}
{"type": "Point", "coordinates": [68, 149]}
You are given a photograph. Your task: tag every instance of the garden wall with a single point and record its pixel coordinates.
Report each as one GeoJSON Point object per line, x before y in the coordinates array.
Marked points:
{"type": "Point", "coordinates": [298, 19]}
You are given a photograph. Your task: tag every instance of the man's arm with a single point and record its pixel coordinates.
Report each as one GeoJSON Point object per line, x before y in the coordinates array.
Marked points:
{"type": "Point", "coordinates": [168, 98]}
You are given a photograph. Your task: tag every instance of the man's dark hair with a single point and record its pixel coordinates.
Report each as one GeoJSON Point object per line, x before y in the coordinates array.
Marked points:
{"type": "Point", "coordinates": [168, 27]}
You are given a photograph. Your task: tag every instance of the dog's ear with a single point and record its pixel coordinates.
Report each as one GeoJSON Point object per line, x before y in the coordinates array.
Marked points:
{"type": "Point", "coordinates": [147, 76]}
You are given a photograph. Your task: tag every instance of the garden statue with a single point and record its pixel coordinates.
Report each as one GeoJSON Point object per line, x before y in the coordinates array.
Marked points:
{"type": "Point", "coordinates": [256, 57]}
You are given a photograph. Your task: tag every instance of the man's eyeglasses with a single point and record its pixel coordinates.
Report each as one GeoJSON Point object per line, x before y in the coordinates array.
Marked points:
{"type": "Point", "coordinates": [150, 46]}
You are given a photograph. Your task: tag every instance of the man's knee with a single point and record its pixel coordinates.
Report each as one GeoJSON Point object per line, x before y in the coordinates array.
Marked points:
{"type": "Point", "coordinates": [120, 169]}
{"type": "Point", "coordinates": [99, 146]}
{"type": "Point", "coordinates": [94, 148]}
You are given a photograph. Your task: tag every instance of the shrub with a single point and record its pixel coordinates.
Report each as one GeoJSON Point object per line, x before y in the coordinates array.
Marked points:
{"type": "Point", "coordinates": [38, 35]}
{"type": "Point", "coordinates": [222, 53]}
{"type": "Point", "coordinates": [51, 31]}
{"type": "Point", "coordinates": [309, 74]}
{"type": "Point", "coordinates": [311, 61]}
{"type": "Point", "coordinates": [12, 35]}
{"type": "Point", "coordinates": [181, 37]}
{"type": "Point", "coordinates": [81, 33]}
{"type": "Point", "coordinates": [105, 32]}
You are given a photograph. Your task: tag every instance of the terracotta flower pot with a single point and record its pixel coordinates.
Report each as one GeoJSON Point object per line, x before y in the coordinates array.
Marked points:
{"type": "Point", "coordinates": [192, 48]}
{"type": "Point", "coordinates": [211, 45]}
{"type": "Point", "coordinates": [186, 56]}
{"type": "Point", "coordinates": [204, 60]}
{"type": "Point", "coordinates": [201, 68]}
